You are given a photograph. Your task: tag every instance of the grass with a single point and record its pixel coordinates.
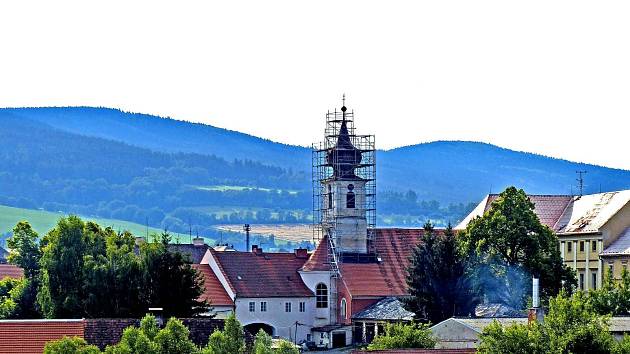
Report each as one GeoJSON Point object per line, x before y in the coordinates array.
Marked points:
{"type": "Point", "coordinates": [42, 221]}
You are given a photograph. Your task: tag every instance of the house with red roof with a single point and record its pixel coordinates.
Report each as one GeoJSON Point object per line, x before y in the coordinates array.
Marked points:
{"type": "Point", "coordinates": [593, 230]}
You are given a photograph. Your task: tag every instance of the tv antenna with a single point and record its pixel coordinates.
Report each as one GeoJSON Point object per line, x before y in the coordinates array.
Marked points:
{"type": "Point", "coordinates": [580, 181]}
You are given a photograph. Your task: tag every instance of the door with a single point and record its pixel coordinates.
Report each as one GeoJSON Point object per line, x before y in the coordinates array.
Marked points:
{"type": "Point", "coordinates": [339, 339]}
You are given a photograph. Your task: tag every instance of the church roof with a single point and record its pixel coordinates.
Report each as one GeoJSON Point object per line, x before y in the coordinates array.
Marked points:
{"type": "Point", "coordinates": [387, 309]}
{"type": "Point", "coordinates": [387, 277]}
{"type": "Point", "coordinates": [318, 261]}
{"type": "Point", "coordinates": [252, 274]}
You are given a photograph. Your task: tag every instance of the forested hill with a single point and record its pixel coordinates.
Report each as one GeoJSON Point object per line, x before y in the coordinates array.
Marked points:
{"type": "Point", "coordinates": [446, 171]}
{"type": "Point", "coordinates": [111, 164]}
{"type": "Point", "coordinates": [168, 135]}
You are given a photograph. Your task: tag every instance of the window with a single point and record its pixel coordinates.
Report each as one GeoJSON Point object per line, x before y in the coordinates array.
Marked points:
{"type": "Point", "coordinates": [611, 268]}
{"type": "Point", "coordinates": [302, 306]}
{"type": "Point", "coordinates": [581, 246]}
{"type": "Point", "coordinates": [581, 281]}
{"type": "Point", "coordinates": [321, 296]}
{"type": "Point", "coordinates": [594, 278]}
{"type": "Point", "coordinates": [252, 306]}
{"type": "Point", "coordinates": [330, 197]}
{"type": "Point", "coordinates": [343, 309]}
{"type": "Point", "coordinates": [350, 199]}
{"type": "Point", "coordinates": [263, 306]}
{"type": "Point", "coordinates": [594, 247]}
{"type": "Point", "coordinates": [569, 245]}
{"type": "Point", "coordinates": [287, 307]}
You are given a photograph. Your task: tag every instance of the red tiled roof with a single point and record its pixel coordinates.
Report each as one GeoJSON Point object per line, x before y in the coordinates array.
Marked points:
{"type": "Point", "coordinates": [548, 208]}
{"type": "Point", "coordinates": [387, 277]}
{"type": "Point", "coordinates": [26, 337]}
{"type": "Point", "coordinates": [213, 292]}
{"type": "Point", "coordinates": [263, 275]}
{"type": "Point", "coordinates": [11, 271]}
{"type": "Point", "coordinates": [318, 261]}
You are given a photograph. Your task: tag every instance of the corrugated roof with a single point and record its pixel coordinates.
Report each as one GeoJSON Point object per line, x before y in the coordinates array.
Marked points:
{"type": "Point", "coordinates": [213, 290]}
{"type": "Point", "coordinates": [621, 246]}
{"type": "Point", "coordinates": [263, 275]}
{"type": "Point", "coordinates": [11, 271]}
{"type": "Point", "coordinates": [589, 213]}
{"type": "Point", "coordinates": [387, 309]}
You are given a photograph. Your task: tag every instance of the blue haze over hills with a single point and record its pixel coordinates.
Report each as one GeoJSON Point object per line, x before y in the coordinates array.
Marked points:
{"type": "Point", "coordinates": [129, 166]}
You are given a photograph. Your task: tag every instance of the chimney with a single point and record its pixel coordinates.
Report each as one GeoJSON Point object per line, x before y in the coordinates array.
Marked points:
{"type": "Point", "coordinates": [198, 241]}
{"type": "Point", "coordinates": [257, 250]}
{"type": "Point", "coordinates": [301, 253]}
{"type": "Point", "coordinates": [140, 240]}
{"type": "Point", "coordinates": [535, 312]}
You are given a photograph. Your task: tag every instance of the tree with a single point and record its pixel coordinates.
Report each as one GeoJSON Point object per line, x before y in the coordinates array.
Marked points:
{"type": "Point", "coordinates": [402, 335]}
{"type": "Point", "coordinates": [508, 244]}
{"type": "Point", "coordinates": [262, 343]}
{"type": "Point", "coordinates": [74, 345]}
{"type": "Point", "coordinates": [170, 282]}
{"type": "Point", "coordinates": [286, 347]}
{"type": "Point", "coordinates": [571, 326]}
{"type": "Point", "coordinates": [516, 339]}
{"type": "Point", "coordinates": [62, 266]}
{"type": "Point", "coordinates": [437, 279]}
{"type": "Point", "coordinates": [26, 253]}
{"type": "Point", "coordinates": [10, 293]}
{"type": "Point", "coordinates": [613, 298]}
{"type": "Point", "coordinates": [231, 340]}
{"type": "Point", "coordinates": [173, 339]}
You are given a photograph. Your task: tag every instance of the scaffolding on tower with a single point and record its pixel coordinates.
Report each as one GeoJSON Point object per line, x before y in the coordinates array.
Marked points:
{"type": "Point", "coordinates": [322, 171]}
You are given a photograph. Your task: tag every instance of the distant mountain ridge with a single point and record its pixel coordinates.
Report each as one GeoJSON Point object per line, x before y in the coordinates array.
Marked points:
{"type": "Point", "coordinates": [447, 171]}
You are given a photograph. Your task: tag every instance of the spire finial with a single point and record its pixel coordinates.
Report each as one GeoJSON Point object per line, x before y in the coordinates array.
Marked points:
{"type": "Point", "coordinates": [343, 104]}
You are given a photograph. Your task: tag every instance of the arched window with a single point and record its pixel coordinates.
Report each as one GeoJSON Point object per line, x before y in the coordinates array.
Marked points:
{"type": "Point", "coordinates": [343, 308]}
{"type": "Point", "coordinates": [321, 296]}
{"type": "Point", "coordinates": [350, 199]}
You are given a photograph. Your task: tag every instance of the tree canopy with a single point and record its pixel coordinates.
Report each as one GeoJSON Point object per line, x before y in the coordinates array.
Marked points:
{"type": "Point", "coordinates": [508, 245]}
{"type": "Point", "coordinates": [437, 279]}
{"type": "Point", "coordinates": [79, 269]}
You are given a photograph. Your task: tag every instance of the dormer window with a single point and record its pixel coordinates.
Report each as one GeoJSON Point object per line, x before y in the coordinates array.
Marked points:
{"type": "Point", "coordinates": [350, 197]}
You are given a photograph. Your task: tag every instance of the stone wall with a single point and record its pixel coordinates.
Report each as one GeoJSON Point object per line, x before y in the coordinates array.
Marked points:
{"type": "Point", "coordinates": [108, 331]}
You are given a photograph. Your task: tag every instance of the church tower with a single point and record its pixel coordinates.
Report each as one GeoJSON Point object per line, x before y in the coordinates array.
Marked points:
{"type": "Point", "coordinates": [344, 187]}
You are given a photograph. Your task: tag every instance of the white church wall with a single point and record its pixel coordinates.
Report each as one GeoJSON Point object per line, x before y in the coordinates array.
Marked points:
{"type": "Point", "coordinates": [311, 279]}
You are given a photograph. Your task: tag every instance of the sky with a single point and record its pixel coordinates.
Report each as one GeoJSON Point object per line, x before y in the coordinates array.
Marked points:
{"type": "Point", "coordinates": [550, 77]}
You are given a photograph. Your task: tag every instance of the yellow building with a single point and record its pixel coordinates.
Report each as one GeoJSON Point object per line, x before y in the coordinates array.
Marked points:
{"type": "Point", "coordinates": [594, 230]}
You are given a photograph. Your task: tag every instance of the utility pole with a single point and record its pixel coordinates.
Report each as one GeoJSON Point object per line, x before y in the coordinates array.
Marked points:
{"type": "Point", "coordinates": [580, 181]}
{"type": "Point", "coordinates": [247, 229]}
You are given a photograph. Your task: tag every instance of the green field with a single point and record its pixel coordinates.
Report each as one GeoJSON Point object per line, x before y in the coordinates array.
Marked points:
{"type": "Point", "coordinates": [224, 188]}
{"type": "Point", "coordinates": [42, 221]}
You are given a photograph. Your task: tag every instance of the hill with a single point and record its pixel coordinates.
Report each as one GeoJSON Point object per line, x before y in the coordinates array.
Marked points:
{"type": "Point", "coordinates": [179, 175]}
